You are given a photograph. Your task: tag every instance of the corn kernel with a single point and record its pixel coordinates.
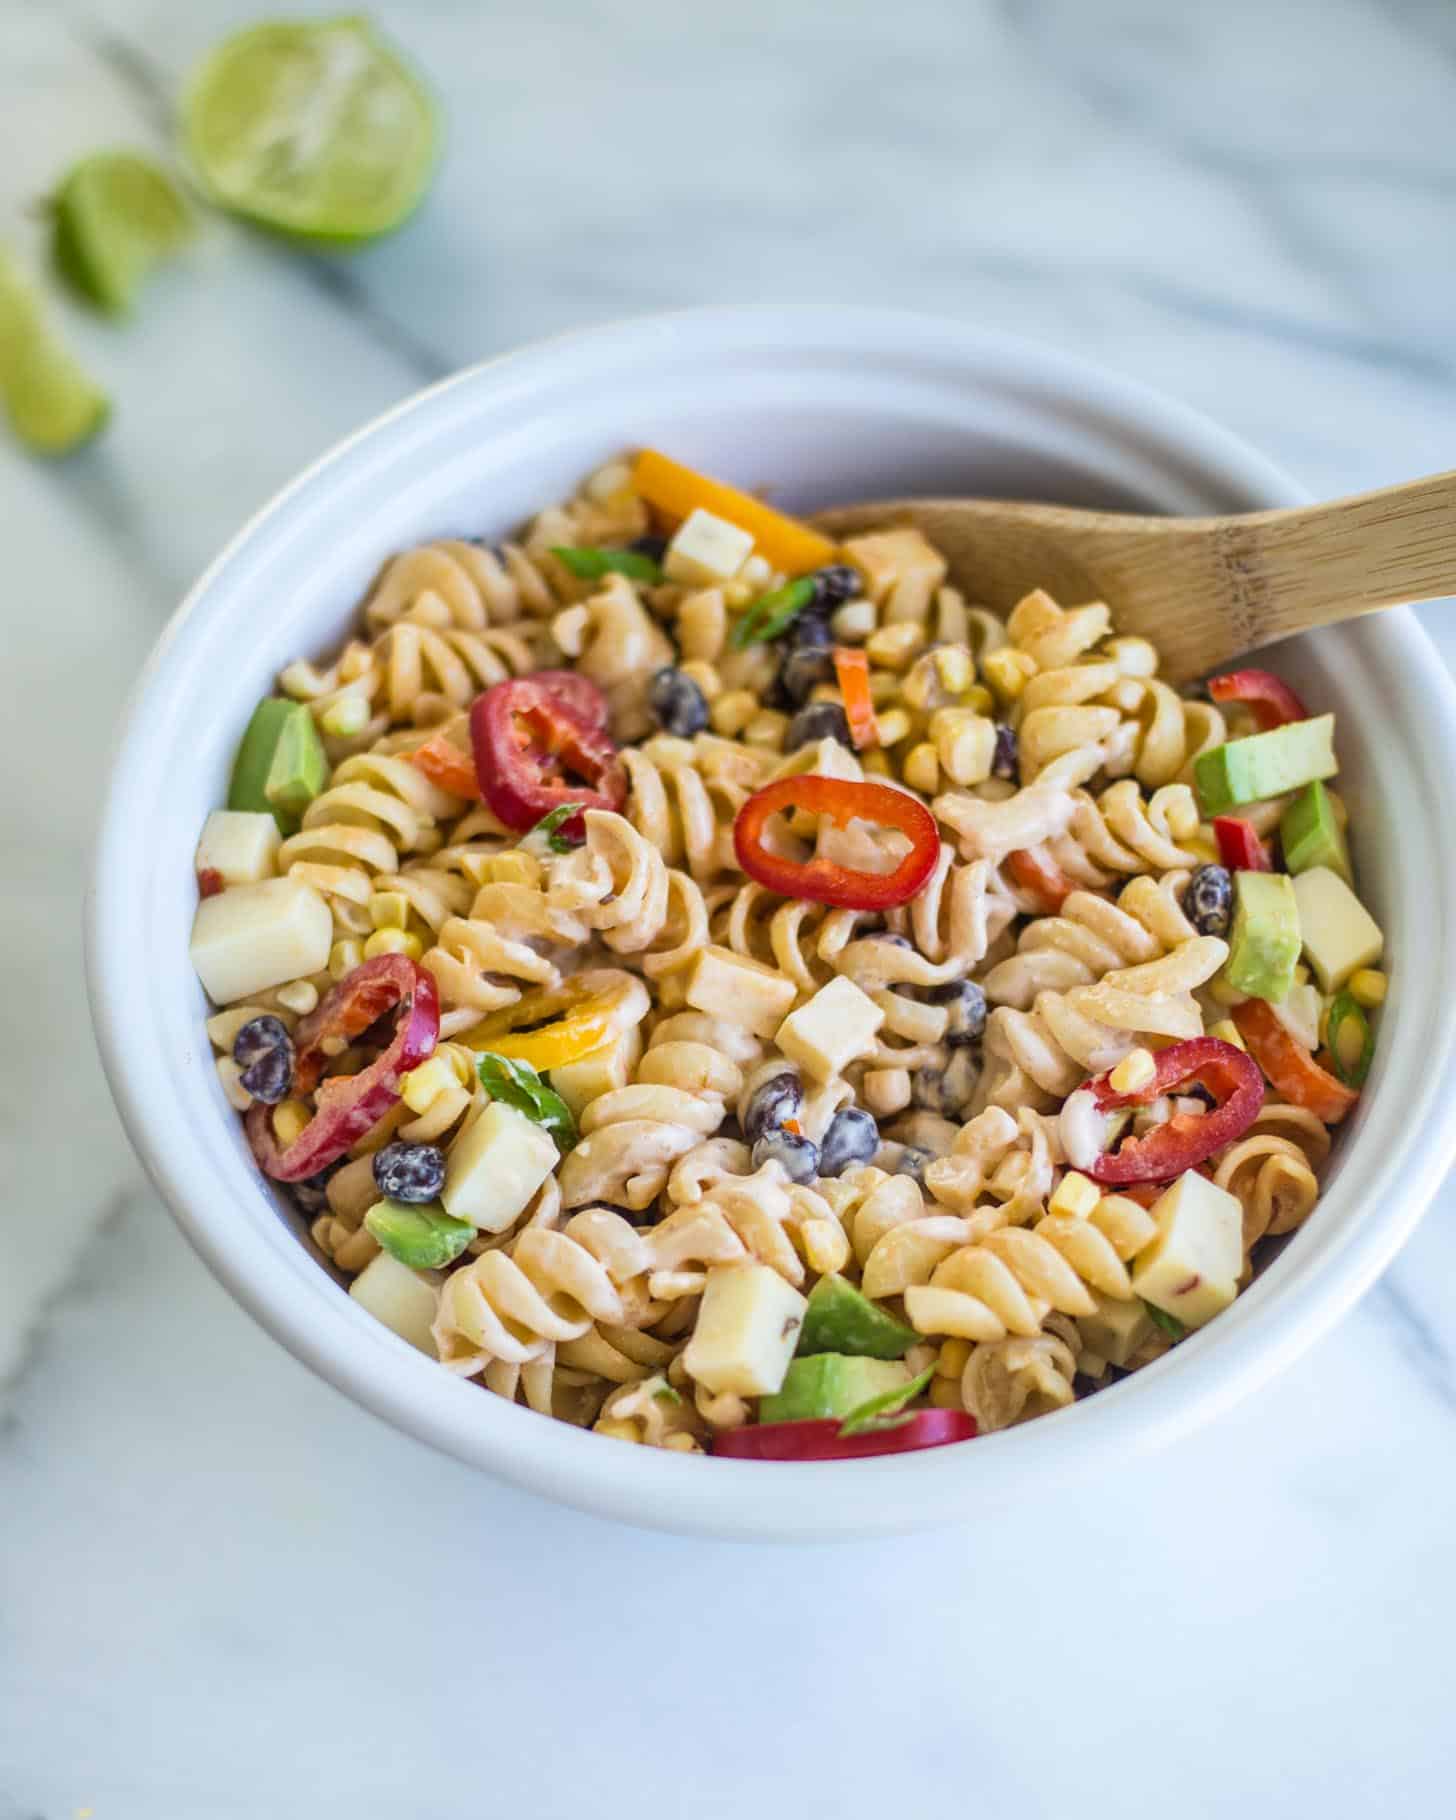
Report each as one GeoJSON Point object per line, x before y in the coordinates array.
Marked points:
{"type": "Point", "coordinates": [422, 1086]}
{"type": "Point", "coordinates": [299, 996]}
{"type": "Point", "coordinates": [1222, 993]}
{"type": "Point", "coordinates": [1204, 851]}
{"type": "Point", "coordinates": [945, 1393]}
{"type": "Point", "coordinates": [921, 769]}
{"type": "Point", "coordinates": [290, 1120]}
{"type": "Point", "coordinates": [389, 910]}
{"type": "Point", "coordinates": [854, 621]}
{"type": "Point", "coordinates": [954, 667]}
{"type": "Point", "coordinates": [826, 1248]}
{"type": "Point", "coordinates": [893, 726]}
{"type": "Point", "coordinates": [393, 941]}
{"type": "Point", "coordinates": [965, 744]}
{"type": "Point", "coordinates": [884, 688]}
{"type": "Point", "coordinates": [705, 676]}
{"type": "Point", "coordinates": [876, 764]}
{"type": "Point", "coordinates": [1227, 1031]}
{"type": "Point", "coordinates": [894, 646]}
{"type": "Point", "coordinates": [1301, 974]}
{"type": "Point", "coordinates": [731, 713]}
{"type": "Point", "coordinates": [980, 700]}
{"type": "Point", "coordinates": [1133, 1072]}
{"type": "Point", "coordinates": [702, 625]}
{"type": "Point", "coordinates": [1368, 987]}
{"type": "Point", "coordinates": [346, 717]}
{"type": "Point", "coordinates": [344, 957]}
{"type": "Point", "coordinates": [1348, 1044]}
{"type": "Point", "coordinates": [514, 868]}
{"type": "Point", "coordinates": [1076, 1195]}
{"type": "Point", "coordinates": [767, 728]}
{"type": "Point", "coordinates": [952, 1358]}
{"type": "Point", "coordinates": [618, 1428]}
{"type": "Point", "coordinates": [756, 572]}
{"type": "Point", "coordinates": [827, 691]}
{"type": "Point", "coordinates": [229, 1074]}
{"type": "Point", "coordinates": [1007, 671]}
{"type": "Point", "coordinates": [679, 1441]}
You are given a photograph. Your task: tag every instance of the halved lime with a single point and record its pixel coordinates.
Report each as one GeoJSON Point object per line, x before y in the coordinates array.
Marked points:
{"type": "Point", "coordinates": [116, 215]}
{"type": "Point", "coordinates": [52, 402]}
{"type": "Point", "coordinates": [312, 128]}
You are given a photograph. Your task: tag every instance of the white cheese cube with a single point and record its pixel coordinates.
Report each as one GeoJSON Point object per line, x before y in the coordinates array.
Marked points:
{"type": "Point", "coordinates": [1191, 1268]}
{"type": "Point", "coordinates": [836, 1027]}
{"type": "Point", "coordinates": [601, 1072]}
{"type": "Point", "coordinates": [748, 1325]}
{"type": "Point", "coordinates": [740, 991]}
{"type": "Point", "coordinates": [256, 936]}
{"type": "Point", "coordinates": [1115, 1330]}
{"type": "Point", "coordinates": [706, 549]}
{"type": "Point", "coordinates": [240, 846]}
{"type": "Point", "coordinates": [1340, 935]}
{"type": "Point", "coordinates": [495, 1166]}
{"type": "Point", "coordinates": [402, 1298]}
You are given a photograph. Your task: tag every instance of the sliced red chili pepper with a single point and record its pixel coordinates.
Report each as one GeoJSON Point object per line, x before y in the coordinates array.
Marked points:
{"type": "Point", "coordinates": [1239, 847]}
{"type": "Point", "coordinates": [1034, 871]}
{"type": "Point", "coordinates": [852, 668]}
{"type": "Point", "coordinates": [1291, 1070]}
{"type": "Point", "coordinates": [353, 1104]}
{"type": "Point", "coordinates": [534, 751]}
{"type": "Point", "coordinates": [1187, 1138]}
{"type": "Point", "coordinates": [1273, 702]}
{"type": "Point", "coordinates": [821, 881]}
{"type": "Point", "coordinates": [822, 1440]}
{"type": "Point", "coordinates": [577, 693]}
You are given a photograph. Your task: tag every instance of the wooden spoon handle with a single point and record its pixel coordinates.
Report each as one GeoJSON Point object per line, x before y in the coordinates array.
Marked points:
{"type": "Point", "coordinates": [1315, 565]}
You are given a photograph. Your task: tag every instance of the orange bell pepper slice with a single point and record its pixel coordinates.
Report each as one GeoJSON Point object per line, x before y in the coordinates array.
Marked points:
{"type": "Point", "coordinates": [1289, 1067]}
{"type": "Point", "coordinates": [852, 668]}
{"type": "Point", "coordinates": [1035, 872]}
{"type": "Point", "coordinates": [446, 764]}
{"type": "Point", "coordinates": [678, 491]}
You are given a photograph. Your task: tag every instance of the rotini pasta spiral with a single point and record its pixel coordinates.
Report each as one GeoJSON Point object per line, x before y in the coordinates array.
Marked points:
{"type": "Point", "coordinates": [617, 885]}
{"type": "Point", "coordinates": [476, 586]}
{"type": "Point", "coordinates": [1271, 1170]}
{"type": "Point", "coordinates": [684, 795]}
{"type": "Point", "coordinates": [1021, 1377]}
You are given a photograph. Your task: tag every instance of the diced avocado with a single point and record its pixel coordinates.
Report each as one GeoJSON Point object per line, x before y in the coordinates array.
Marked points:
{"type": "Point", "coordinates": [1264, 940]}
{"type": "Point", "coordinates": [1311, 836]}
{"type": "Point", "coordinates": [280, 766]}
{"type": "Point", "coordinates": [841, 1319]}
{"type": "Point", "coordinates": [1265, 764]}
{"type": "Point", "coordinates": [830, 1384]}
{"type": "Point", "coordinates": [424, 1237]}
{"type": "Point", "coordinates": [1340, 935]}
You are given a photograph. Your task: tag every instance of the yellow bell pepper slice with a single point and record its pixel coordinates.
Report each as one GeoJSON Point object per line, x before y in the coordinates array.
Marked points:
{"type": "Point", "coordinates": [677, 491]}
{"type": "Point", "coordinates": [548, 1029]}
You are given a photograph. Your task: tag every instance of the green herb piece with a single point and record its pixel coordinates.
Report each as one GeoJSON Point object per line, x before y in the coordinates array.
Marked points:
{"type": "Point", "coordinates": [883, 1412]}
{"type": "Point", "coordinates": [773, 613]}
{"type": "Point", "coordinates": [517, 1084]}
{"type": "Point", "coordinates": [1350, 1039]}
{"type": "Point", "coordinates": [544, 833]}
{"type": "Point", "coordinates": [664, 1393]}
{"type": "Point", "coordinates": [588, 564]}
{"type": "Point", "coordinates": [424, 1237]}
{"type": "Point", "coordinates": [116, 216]}
{"type": "Point", "coordinates": [1169, 1323]}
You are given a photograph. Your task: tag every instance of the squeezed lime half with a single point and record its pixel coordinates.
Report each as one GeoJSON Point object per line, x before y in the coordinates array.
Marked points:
{"type": "Point", "coordinates": [312, 128]}
{"type": "Point", "coordinates": [52, 402]}
{"type": "Point", "coordinates": [116, 215]}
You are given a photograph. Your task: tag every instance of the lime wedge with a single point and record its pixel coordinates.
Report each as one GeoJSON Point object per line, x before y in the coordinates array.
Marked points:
{"type": "Point", "coordinates": [116, 215]}
{"type": "Point", "coordinates": [311, 128]}
{"type": "Point", "coordinates": [52, 403]}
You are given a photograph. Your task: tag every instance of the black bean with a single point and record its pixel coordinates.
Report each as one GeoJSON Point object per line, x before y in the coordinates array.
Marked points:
{"type": "Point", "coordinates": [1208, 902]}
{"type": "Point", "coordinates": [853, 1138]}
{"type": "Point", "coordinates": [1006, 761]}
{"type": "Point", "coordinates": [310, 1194]}
{"type": "Point", "coordinates": [771, 1102]}
{"type": "Point", "coordinates": [967, 1005]}
{"type": "Point", "coordinates": [912, 1161]}
{"type": "Point", "coordinates": [263, 1050]}
{"type": "Point", "coordinates": [257, 1037]}
{"type": "Point", "coordinates": [799, 1155]}
{"type": "Point", "coordinates": [820, 720]}
{"type": "Point", "coordinates": [803, 670]}
{"type": "Point", "coordinates": [835, 583]}
{"type": "Point", "coordinates": [655, 547]}
{"type": "Point", "coordinates": [409, 1172]}
{"type": "Point", "coordinates": [677, 703]}
{"type": "Point", "coordinates": [810, 631]}
{"type": "Point", "coordinates": [945, 1091]}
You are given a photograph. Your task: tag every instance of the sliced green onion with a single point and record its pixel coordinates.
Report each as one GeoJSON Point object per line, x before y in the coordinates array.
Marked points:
{"type": "Point", "coordinates": [589, 564]}
{"type": "Point", "coordinates": [878, 1413]}
{"type": "Point", "coordinates": [1351, 1040]}
{"type": "Point", "coordinates": [544, 832]}
{"type": "Point", "coordinates": [1169, 1323]}
{"type": "Point", "coordinates": [772, 614]}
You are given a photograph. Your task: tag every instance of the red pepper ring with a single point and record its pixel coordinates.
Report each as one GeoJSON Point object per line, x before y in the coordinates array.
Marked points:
{"type": "Point", "coordinates": [1272, 702]}
{"type": "Point", "coordinates": [821, 881]}
{"type": "Point", "coordinates": [819, 1438]}
{"type": "Point", "coordinates": [536, 747]}
{"type": "Point", "coordinates": [1239, 846]}
{"type": "Point", "coordinates": [1187, 1138]}
{"type": "Point", "coordinates": [350, 1105]}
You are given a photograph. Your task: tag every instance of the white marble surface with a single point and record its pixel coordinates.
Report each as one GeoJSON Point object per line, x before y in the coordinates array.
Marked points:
{"type": "Point", "coordinates": [226, 1592]}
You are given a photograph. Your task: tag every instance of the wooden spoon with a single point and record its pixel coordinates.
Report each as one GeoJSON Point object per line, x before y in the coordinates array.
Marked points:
{"type": "Point", "coordinates": [1205, 590]}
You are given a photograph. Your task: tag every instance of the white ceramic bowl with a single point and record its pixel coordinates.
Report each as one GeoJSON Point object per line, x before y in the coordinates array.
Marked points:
{"type": "Point", "coordinates": [820, 406]}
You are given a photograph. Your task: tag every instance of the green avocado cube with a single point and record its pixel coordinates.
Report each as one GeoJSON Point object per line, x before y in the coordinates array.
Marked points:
{"type": "Point", "coordinates": [280, 766]}
{"type": "Point", "coordinates": [830, 1384]}
{"type": "Point", "coordinates": [1264, 941]}
{"type": "Point", "coordinates": [841, 1319]}
{"type": "Point", "coordinates": [1265, 764]}
{"type": "Point", "coordinates": [1310, 835]}
{"type": "Point", "coordinates": [422, 1236]}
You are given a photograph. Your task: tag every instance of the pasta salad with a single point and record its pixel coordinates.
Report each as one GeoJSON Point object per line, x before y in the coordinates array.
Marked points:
{"type": "Point", "coordinates": [734, 992]}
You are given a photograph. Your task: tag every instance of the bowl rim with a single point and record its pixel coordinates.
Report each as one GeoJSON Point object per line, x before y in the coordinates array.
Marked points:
{"type": "Point", "coordinates": [746, 1500]}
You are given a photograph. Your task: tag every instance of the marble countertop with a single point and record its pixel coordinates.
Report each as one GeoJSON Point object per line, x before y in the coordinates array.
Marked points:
{"type": "Point", "coordinates": [226, 1592]}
